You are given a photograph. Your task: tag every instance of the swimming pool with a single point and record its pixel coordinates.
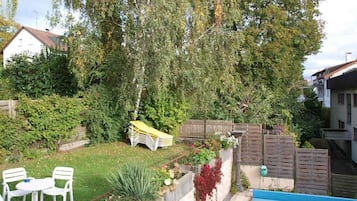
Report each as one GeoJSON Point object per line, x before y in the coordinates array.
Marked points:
{"type": "Point", "coordinates": [264, 195]}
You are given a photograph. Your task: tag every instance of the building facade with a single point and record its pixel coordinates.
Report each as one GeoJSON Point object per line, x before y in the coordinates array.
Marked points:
{"type": "Point", "coordinates": [31, 41]}
{"type": "Point", "coordinates": [320, 80]}
{"type": "Point", "coordinates": [343, 113]}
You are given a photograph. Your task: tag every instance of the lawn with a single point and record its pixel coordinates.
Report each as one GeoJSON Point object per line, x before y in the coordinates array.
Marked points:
{"type": "Point", "coordinates": [93, 164]}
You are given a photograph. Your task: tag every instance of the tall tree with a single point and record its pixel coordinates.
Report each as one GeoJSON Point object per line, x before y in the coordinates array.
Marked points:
{"type": "Point", "coordinates": [278, 37]}
{"type": "Point", "coordinates": [187, 47]}
{"type": "Point", "coordinates": [7, 23]}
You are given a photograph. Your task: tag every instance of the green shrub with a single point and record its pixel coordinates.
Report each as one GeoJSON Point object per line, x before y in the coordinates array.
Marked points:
{"type": "Point", "coordinates": [166, 111]}
{"type": "Point", "coordinates": [50, 121]}
{"type": "Point", "coordinates": [134, 182]}
{"type": "Point", "coordinates": [308, 145]}
{"type": "Point", "coordinates": [5, 89]}
{"type": "Point", "coordinates": [200, 156]}
{"type": "Point", "coordinates": [102, 117]}
{"type": "Point", "coordinates": [13, 138]}
{"type": "Point", "coordinates": [40, 75]}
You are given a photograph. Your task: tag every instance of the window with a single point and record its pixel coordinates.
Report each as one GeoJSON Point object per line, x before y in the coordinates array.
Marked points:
{"type": "Point", "coordinates": [341, 124]}
{"type": "Point", "coordinates": [341, 99]}
{"type": "Point", "coordinates": [354, 100]}
{"type": "Point", "coordinates": [20, 42]}
{"type": "Point", "coordinates": [349, 108]}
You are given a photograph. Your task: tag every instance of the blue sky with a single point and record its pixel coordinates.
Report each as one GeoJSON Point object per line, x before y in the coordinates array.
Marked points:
{"type": "Point", "coordinates": [340, 17]}
{"type": "Point", "coordinates": [33, 13]}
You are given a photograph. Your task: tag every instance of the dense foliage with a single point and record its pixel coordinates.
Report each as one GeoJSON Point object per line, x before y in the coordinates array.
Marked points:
{"type": "Point", "coordinates": [308, 118]}
{"type": "Point", "coordinates": [39, 75]}
{"type": "Point", "coordinates": [50, 121]}
{"type": "Point", "coordinates": [238, 60]}
{"type": "Point", "coordinates": [103, 117]}
{"type": "Point", "coordinates": [41, 124]}
{"type": "Point", "coordinates": [13, 138]}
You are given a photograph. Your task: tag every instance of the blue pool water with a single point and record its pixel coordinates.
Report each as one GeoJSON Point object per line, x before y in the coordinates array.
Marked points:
{"type": "Point", "coordinates": [263, 195]}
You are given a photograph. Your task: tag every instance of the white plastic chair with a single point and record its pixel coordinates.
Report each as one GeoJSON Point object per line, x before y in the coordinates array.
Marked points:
{"type": "Point", "coordinates": [61, 173]}
{"type": "Point", "coordinates": [13, 175]}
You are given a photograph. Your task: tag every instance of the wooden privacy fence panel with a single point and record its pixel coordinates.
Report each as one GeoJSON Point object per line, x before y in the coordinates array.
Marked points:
{"type": "Point", "coordinates": [343, 185]}
{"type": "Point", "coordinates": [279, 156]}
{"type": "Point", "coordinates": [312, 170]}
{"type": "Point", "coordinates": [197, 128]}
{"type": "Point", "coordinates": [8, 106]}
{"type": "Point", "coordinates": [251, 144]}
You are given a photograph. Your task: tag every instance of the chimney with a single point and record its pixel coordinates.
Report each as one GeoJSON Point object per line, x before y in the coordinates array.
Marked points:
{"type": "Point", "coordinates": [348, 56]}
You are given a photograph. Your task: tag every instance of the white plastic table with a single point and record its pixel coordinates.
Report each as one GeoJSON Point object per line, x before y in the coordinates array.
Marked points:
{"type": "Point", "coordinates": [35, 185]}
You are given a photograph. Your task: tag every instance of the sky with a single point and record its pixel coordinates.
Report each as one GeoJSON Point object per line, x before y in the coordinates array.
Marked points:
{"type": "Point", "coordinates": [32, 13]}
{"type": "Point", "coordinates": [340, 30]}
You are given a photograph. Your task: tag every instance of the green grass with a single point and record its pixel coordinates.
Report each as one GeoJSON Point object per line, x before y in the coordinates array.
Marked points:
{"type": "Point", "coordinates": [93, 164]}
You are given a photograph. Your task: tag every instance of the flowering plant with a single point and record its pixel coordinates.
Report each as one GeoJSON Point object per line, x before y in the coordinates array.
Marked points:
{"type": "Point", "coordinates": [167, 176]}
{"type": "Point", "coordinates": [227, 140]}
{"type": "Point", "coordinates": [200, 156]}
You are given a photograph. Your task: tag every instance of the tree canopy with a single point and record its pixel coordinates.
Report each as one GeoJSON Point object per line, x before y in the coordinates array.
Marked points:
{"type": "Point", "coordinates": [221, 59]}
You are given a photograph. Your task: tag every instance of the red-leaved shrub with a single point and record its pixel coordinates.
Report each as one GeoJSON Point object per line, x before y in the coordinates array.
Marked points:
{"type": "Point", "coordinates": [207, 180]}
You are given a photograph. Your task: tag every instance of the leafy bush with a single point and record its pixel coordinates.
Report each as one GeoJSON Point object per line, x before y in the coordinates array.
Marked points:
{"type": "Point", "coordinates": [102, 117]}
{"type": "Point", "coordinates": [40, 75]}
{"type": "Point", "coordinates": [166, 111]}
{"type": "Point", "coordinates": [200, 156]}
{"type": "Point", "coordinates": [308, 145]}
{"type": "Point", "coordinates": [13, 138]}
{"type": "Point", "coordinates": [50, 121]}
{"type": "Point", "coordinates": [134, 182]}
{"type": "Point", "coordinates": [5, 89]}
{"type": "Point", "coordinates": [207, 180]}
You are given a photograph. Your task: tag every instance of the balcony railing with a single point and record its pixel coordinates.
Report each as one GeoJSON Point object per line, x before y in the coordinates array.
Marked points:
{"type": "Point", "coordinates": [335, 134]}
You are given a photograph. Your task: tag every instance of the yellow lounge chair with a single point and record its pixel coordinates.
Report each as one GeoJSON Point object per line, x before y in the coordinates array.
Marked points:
{"type": "Point", "coordinates": [141, 133]}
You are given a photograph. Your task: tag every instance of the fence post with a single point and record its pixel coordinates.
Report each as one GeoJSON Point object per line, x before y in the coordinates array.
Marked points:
{"type": "Point", "coordinates": [205, 128]}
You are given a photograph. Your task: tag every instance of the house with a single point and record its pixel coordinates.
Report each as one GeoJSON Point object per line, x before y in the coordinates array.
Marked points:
{"type": "Point", "coordinates": [321, 77]}
{"type": "Point", "coordinates": [343, 118]}
{"type": "Point", "coordinates": [31, 41]}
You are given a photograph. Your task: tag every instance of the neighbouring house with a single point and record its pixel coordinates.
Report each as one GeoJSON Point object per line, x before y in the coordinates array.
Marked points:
{"type": "Point", "coordinates": [321, 77]}
{"type": "Point", "coordinates": [31, 41]}
{"type": "Point", "coordinates": [343, 113]}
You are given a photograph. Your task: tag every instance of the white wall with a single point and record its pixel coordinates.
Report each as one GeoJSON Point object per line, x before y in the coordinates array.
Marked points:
{"type": "Point", "coordinates": [24, 42]}
{"type": "Point", "coordinates": [339, 112]}
{"type": "Point", "coordinates": [268, 183]}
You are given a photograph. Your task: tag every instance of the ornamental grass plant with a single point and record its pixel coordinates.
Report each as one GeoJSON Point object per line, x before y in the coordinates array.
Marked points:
{"type": "Point", "coordinates": [134, 182]}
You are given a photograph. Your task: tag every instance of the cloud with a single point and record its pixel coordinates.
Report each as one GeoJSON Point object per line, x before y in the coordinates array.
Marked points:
{"type": "Point", "coordinates": [340, 20]}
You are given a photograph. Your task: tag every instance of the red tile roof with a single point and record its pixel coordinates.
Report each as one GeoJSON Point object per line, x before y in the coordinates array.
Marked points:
{"type": "Point", "coordinates": [49, 39]}
{"type": "Point", "coordinates": [334, 69]}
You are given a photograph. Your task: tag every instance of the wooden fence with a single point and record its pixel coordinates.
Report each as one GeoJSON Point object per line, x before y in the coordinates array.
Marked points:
{"type": "Point", "coordinates": [343, 185]}
{"type": "Point", "coordinates": [251, 144]}
{"type": "Point", "coordinates": [309, 167]}
{"type": "Point", "coordinates": [201, 129]}
{"type": "Point", "coordinates": [279, 156]}
{"type": "Point", "coordinates": [8, 106]}
{"type": "Point", "coordinates": [312, 171]}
